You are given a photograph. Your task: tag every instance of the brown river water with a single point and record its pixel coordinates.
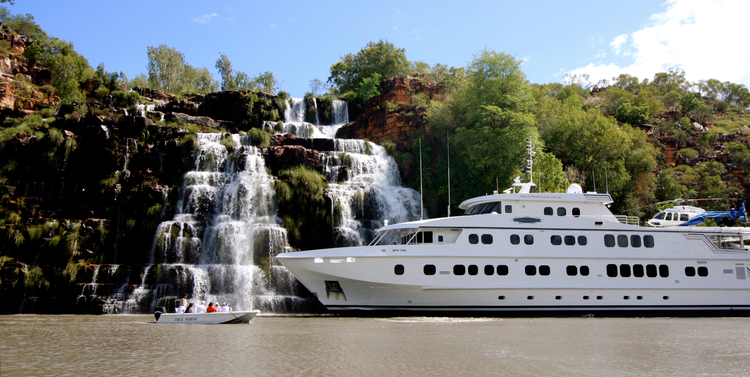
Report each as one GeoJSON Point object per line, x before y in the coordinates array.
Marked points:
{"type": "Point", "coordinates": [128, 345]}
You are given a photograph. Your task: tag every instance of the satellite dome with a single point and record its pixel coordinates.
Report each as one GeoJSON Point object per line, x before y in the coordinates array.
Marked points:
{"type": "Point", "coordinates": [574, 189]}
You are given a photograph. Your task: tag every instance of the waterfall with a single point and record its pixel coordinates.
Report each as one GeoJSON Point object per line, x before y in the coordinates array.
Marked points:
{"type": "Point", "coordinates": [221, 243]}
{"type": "Point", "coordinates": [363, 181]}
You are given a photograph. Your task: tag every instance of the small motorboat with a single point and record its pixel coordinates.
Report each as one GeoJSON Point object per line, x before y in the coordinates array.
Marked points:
{"type": "Point", "coordinates": [217, 318]}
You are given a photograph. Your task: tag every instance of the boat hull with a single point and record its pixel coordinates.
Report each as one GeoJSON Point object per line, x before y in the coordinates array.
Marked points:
{"type": "Point", "coordinates": [206, 318]}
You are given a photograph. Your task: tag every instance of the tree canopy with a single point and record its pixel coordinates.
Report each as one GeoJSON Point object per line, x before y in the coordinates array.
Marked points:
{"type": "Point", "coordinates": [382, 58]}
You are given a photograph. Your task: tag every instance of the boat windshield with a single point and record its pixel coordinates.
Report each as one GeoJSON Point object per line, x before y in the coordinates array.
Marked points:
{"type": "Point", "coordinates": [402, 237]}
{"type": "Point", "coordinates": [482, 208]}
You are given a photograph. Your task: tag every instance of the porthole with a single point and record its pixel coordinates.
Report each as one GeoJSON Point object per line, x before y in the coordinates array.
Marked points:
{"type": "Point", "coordinates": [528, 239]}
{"type": "Point", "coordinates": [473, 239]}
{"type": "Point", "coordinates": [501, 297]}
{"type": "Point", "coordinates": [489, 269]}
{"type": "Point", "coordinates": [638, 270]}
{"type": "Point", "coordinates": [651, 270]}
{"type": "Point", "coordinates": [626, 297]}
{"type": "Point", "coordinates": [639, 297]}
{"type": "Point", "coordinates": [576, 211]}
{"type": "Point", "coordinates": [459, 269]}
{"type": "Point", "coordinates": [665, 297]}
{"type": "Point", "coordinates": [544, 270]}
{"type": "Point", "coordinates": [558, 297]}
{"type": "Point", "coordinates": [530, 270]}
{"type": "Point", "coordinates": [609, 240]}
{"type": "Point", "coordinates": [625, 270]}
{"type": "Point", "coordinates": [473, 269]}
{"type": "Point", "coordinates": [508, 208]}
{"type": "Point", "coordinates": [612, 270]}
{"type": "Point", "coordinates": [622, 240]}
{"type": "Point", "coordinates": [398, 269]}
{"type": "Point", "coordinates": [582, 240]}
{"type": "Point", "coordinates": [555, 240]}
{"type": "Point", "coordinates": [690, 271]}
{"type": "Point", "coordinates": [635, 240]}
{"type": "Point", "coordinates": [429, 269]}
{"type": "Point", "coordinates": [440, 239]}
{"type": "Point", "coordinates": [529, 297]}
{"type": "Point", "coordinates": [571, 270]}
{"type": "Point", "coordinates": [664, 270]}
{"type": "Point", "coordinates": [515, 239]}
{"type": "Point", "coordinates": [570, 240]}
{"type": "Point", "coordinates": [502, 270]}
{"type": "Point", "coordinates": [548, 211]}
{"type": "Point", "coordinates": [702, 271]}
{"type": "Point", "coordinates": [561, 211]}
{"type": "Point", "coordinates": [648, 241]}
{"type": "Point", "coordinates": [585, 297]}
{"type": "Point", "coordinates": [584, 270]}
{"type": "Point", "coordinates": [599, 297]}
{"type": "Point", "coordinates": [487, 239]}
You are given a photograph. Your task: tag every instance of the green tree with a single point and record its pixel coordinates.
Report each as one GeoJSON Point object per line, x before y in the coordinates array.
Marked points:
{"type": "Point", "coordinates": [225, 71]}
{"type": "Point", "coordinates": [165, 68]}
{"type": "Point", "coordinates": [630, 114]}
{"type": "Point", "coordinates": [382, 58]}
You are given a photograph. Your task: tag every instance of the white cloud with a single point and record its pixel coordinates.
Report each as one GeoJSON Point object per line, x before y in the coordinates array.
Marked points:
{"type": "Point", "coordinates": [702, 37]}
{"type": "Point", "coordinates": [204, 19]}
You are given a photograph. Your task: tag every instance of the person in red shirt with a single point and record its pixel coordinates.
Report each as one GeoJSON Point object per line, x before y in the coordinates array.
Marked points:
{"type": "Point", "coordinates": [211, 308]}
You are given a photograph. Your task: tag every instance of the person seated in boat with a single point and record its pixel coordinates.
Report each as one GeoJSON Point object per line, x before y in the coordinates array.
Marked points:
{"type": "Point", "coordinates": [225, 308]}
{"type": "Point", "coordinates": [201, 308]}
{"type": "Point", "coordinates": [211, 308]}
{"type": "Point", "coordinates": [180, 309]}
{"type": "Point", "coordinates": [189, 309]}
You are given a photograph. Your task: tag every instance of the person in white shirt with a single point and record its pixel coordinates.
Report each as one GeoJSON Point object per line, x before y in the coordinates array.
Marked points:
{"type": "Point", "coordinates": [225, 308]}
{"type": "Point", "coordinates": [201, 308]}
{"type": "Point", "coordinates": [180, 309]}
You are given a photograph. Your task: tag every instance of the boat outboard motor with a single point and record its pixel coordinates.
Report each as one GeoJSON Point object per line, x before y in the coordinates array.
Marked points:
{"type": "Point", "coordinates": [158, 312]}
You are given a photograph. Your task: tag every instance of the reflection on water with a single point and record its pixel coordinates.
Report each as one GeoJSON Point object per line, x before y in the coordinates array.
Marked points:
{"type": "Point", "coordinates": [312, 346]}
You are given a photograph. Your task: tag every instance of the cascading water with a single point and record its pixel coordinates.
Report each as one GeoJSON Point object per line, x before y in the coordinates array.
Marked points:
{"type": "Point", "coordinates": [370, 189]}
{"type": "Point", "coordinates": [220, 246]}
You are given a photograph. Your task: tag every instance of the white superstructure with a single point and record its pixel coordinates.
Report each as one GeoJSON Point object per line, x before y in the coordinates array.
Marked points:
{"type": "Point", "coordinates": [533, 252]}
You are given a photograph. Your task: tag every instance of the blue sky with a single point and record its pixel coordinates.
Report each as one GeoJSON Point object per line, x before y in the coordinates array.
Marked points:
{"type": "Point", "coordinates": [299, 40]}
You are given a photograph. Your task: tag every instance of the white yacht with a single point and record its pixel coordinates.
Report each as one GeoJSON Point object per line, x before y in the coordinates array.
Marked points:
{"type": "Point", "coordinates": [534, 252]}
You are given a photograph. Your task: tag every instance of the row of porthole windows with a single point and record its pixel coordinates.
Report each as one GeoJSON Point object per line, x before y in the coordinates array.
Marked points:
{"type": "Point", "coordinates": [588, 297]}
{"type": "Point", "coordinates": [569, 240]}
{"type": "Point", "coordinates": [622, 240]}
{"type": "Point", "coordinates": [690, 271]}
{"type": "Point", "coordinates": [561, 211]}
{"type": "Point", "coordinates": [637, 270]}
{"type": "Point", "coordinates": [486, 239]}
{"type": "Point", "coordinates": [515, 239]}
{"type": "Point", "coordinates": [460, 269]}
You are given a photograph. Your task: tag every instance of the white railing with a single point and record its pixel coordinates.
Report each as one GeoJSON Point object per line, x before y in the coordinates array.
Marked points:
{"type": "Point", "coordinates": [629, 220]}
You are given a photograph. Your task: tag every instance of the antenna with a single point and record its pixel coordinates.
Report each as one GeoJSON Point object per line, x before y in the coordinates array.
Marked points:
{"type": "Point", "coordinates": [530, 160]}
{"type": "Point", "coordinates": [421, 197]}
{"type": "Point", "coordinates": [449, 171]}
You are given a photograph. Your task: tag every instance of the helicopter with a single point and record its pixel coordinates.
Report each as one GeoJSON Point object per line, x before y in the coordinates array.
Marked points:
{"type": "Point", "coordinates": [689, 215]}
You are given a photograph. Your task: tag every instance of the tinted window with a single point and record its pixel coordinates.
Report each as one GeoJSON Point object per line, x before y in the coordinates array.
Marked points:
{"type": "Point", "coordinates": [398, 269]}
{"type": "Point", "coordinates": [651, 270]}
{"type": "Point", "coordinates": [440, 239]}
{"type": "Point", "coordinates": [635, 240]}
{"type": "Point", "coordinates": [530, 270]}
{"type": "Point", "coordinates": [625, 270]}
{"type": "Point", "coordinates": [548, 211]}
{"type": "Point", "coordinates": [638, 270]}
{"type": "Point", "coordinates": [664, 271]}
{"type": "Point", "coordinates": [689, 271]}
{"type": "Point", "coordinates": [576, 212]}
{"type": "Point", "coordinates": [459, 269]}
{"type": "Point", "coordinates": [489, 269]}
{"type": "Point", "coordinates": [582, 240]}
{"type": "Point", "coordinates": [473, 239]}
{"type": "Point", "coordinates": [612, 270]}
{"type": "Point", "coordinates": [473, 269]}
{"type": "Point", "coordinates": [528, 239]}
{"type": "Point", "coordinates": [622, 240]}
{"type": "Point", "coordinates": [508, 208]}
{"type": "Point", "coordinates": [584, 270]}
{"type": "Point", "coordinates": [544, 270]}
{"type": "Point", "coordinates": [571, 270]}
{"type": "Point", "coordinates": [429, 269]}
{"type": "Point", "coordinates": [561, 211]}
{"type": "Point", "coordinates": [555, 240]}
{"type": "Point", "coordinates": [570, 240]}
{"type": "Point", "coordinates": [609, 240]}
{"type": "Point", "coordinates": [428, 237]}
{"type": "Point", "coordinates": [502, 270]}
{"type": "Point", "coordinates": [684, 217]}
{"type": "Point", "coordinates": [487, 239]}
{"type": "Point", "coordinates": [515, 239]}
{"type": "Point", "coordinates": [703, 271]}
{"type": "Point", "coordinates": [648, 241]}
